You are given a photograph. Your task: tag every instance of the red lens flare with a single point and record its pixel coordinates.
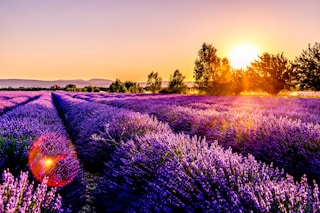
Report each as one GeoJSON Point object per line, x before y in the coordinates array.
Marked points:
{"type": "Point", "coordinates": [53, 156]}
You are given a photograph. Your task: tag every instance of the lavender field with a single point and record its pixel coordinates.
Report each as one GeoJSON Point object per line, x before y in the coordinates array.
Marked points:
{"type": "Point", "coordinates": [105, 152]}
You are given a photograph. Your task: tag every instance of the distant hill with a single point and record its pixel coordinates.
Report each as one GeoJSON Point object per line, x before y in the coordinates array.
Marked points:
{"type": "Point", "coordinates": [27, 83]}
{"type": "Point", "coordinates": [16, 83]}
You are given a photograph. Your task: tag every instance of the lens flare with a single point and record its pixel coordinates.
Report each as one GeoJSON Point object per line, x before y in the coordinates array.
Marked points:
{"type": "Point", "coordinates": [53, 156]}
{"type": "Point", "coordinates": [48, 163]}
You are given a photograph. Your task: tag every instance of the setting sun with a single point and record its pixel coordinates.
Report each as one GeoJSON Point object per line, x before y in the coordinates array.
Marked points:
{"type": "Point", "coordinates": [242, 55]}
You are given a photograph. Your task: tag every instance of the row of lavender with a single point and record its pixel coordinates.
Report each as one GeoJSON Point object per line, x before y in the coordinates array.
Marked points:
{"type": "Point", "coordinates": [11, 100]}
{"type": "Point", "coordinates": [19, 129]}
{"type": "Point", "coordinates": [148, 168]}
{"type": "Point", "coordinates": [97, 129]}
{"type": "Point", "coordinates": [306, 110]}
{"type": "Point", "coordinates": [285, 132]}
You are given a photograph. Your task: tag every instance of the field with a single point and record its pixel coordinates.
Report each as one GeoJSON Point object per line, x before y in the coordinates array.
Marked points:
{"type": "Point", "coordinates": [166, 153]}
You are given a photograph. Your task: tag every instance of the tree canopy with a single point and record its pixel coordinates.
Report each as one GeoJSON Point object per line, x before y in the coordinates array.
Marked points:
{"type": "Point", "coordinates": [127, 86]}
{"type": "Point", "coordinates": [206, 68]}
{"type": "Point", "coordinates": [212, 74]}
{"type": "Point", "coordinates": [117, 86]}
{"type": "Point", "coordinates": [270, 72]}
{"type": "Point", "coordinates": [176, 84]}
{"type": "Point", "coordinates": [154, 82]}
{"type": "Point", "coordinates": [306, 72]}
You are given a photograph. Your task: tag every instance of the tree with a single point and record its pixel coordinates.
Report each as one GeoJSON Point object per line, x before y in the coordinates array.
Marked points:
{"type": "Point", "coordinates": [55, 87]}
{"type": "Point", "coordinates": [117, 86]}
{"type": "Point", "coordinates": [225, 84]}
{"type": "Point", "coordinates": [238, 81]}
{"type": "Point", "coordinates": [127, 86]}
{"type": "Point", "coordinates": [224, 71]}
{"type": "Point", "coordinates": [154, 82]}
{"type": "Point", "coordinates": [176, 84]}
{"type": "Point", "coordinates": [270, 72]}
{"type": "Point", "coordinates": [91, 89]}
{"type": "Point", "coordinates": [71, 87]}
{"type": "Point", "coordinates": [133, 87]}
{"type": "Point", "coordinates": [206, 68]}
{"type": "Point", "coordinates": [211, 73]}
{"type": "Point", "coordinates": [306, 71]}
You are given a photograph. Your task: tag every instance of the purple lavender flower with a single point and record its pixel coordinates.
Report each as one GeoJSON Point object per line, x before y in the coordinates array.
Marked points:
{"type": "Point", "coordinates": [17, 195]}
{"type": "Point", "coordinates": [282, 131]}
{"type": "Point", "coordinates": [109, 127]}
{"type": "Point", "coordinates": [21, 126]}
{"type": "Point", "coordinates": [175, 173]}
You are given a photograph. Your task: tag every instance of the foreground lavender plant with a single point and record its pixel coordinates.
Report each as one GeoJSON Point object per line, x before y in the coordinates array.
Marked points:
{"type": "Point", "coordinates": [176, 173]}
{"type": "Point", "coordinates": [20, 127]}
{"type": "Point", "coordinates": [285, 132]}
{"type": "Point", "coordinates": [17, 195]}
{"type": "Point", "coordinates": [91, 123]}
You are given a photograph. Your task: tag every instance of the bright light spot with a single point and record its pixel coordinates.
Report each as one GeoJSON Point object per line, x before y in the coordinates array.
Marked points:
{"type": "Point", "coordinates": [53, 156]}
{"type": "Point", "coordinates": [48, 162]}
{"type": "Point", "coordinates": [242, 55]}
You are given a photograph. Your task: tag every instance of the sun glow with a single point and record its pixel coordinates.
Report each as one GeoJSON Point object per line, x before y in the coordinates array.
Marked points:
{"type": "Point", "coordinates": [48, 163]}
{"type": "Point", "coordinates": [242, 55]}
{"type": "Point", "coordinates": [53, 156]}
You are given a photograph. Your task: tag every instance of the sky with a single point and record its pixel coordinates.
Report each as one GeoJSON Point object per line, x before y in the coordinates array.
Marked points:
{"type": "Point", "coordinates": [128, 39]}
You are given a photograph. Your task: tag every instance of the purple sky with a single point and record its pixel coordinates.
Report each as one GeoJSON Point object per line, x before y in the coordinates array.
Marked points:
{"type": "Point", "coordinates": [64, 39]}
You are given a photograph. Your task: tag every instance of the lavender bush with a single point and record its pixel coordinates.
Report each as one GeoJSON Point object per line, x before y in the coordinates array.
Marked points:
{"type": "Point", "coordinates": [273, 130]}
{"type": "Point", "coordinates": [20, 128]}
{"type": "Point", "coordinates": [108, 127]}
{"type": "Point", "coordinates": [148, 168]}
{"type": "Point", "coordinates": [8, 101]}
{"type": "Point", "coordinates": [64, 165]}
{"type": "Point", "coordinates": [84, 120]}
{"type": "Point", "coordinates": [13, 154]}
{"type": "Point", "coordinates": [17, 195]}
{"type": "Point", "coordinates": [279, 107]}
{"type": "Point", "coordinates": [176, 173]}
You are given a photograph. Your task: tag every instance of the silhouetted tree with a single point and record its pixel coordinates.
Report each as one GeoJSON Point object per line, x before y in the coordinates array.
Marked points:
{"type": "Point", "coordinates": [88, 89]}
{"type": "Point", "coordinates": [91, 89]}
{"type": "Point", "coordinates": [154, 82]}
{"type": "Point", "coordinates": [270, 72]}
{"type": "Point", "coordinates": [117, 86]}
{"type": "Point", "coordinates": [252, 79]}
{"type": "Point", "coordinates": [225, 71]}
{"type": "Point", "coordinates": [176, 84]}
{"type": "Point", "coordinates": [206, 68]}
{"type": "Point", "coordinates": [239, 82]}
{"type": "Point", "coordinates": [307, 68]}
{"type": "Point", "coordinates": [212, 74]}
{"type": "Point", "coordinates": [133, 87]}
{"type": "Point", "coordinates": [55, 87]}
{"type": "Point", "coordinates": [71, 87]}
{"type": "Point", "coordinates": [224, 84]}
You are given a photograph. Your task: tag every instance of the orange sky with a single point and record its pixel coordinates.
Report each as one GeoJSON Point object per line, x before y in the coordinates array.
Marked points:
{"type": "Point", "coordinates": [64, 39]}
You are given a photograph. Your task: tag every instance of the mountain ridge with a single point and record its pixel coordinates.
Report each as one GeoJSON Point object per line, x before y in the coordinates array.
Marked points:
{"type": "Point", "coordinates": [80, 83]}
{"type": "Point", "coordinates": [29, 83]}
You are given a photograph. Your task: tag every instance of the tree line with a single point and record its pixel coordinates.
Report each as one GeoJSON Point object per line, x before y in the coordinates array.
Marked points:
{"type": "Point", "coordinates": [214, 75]}
{"type": "Point", "coordinates": [269, 72]}
{"type": "Point", "coordinates": [154, 84]}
